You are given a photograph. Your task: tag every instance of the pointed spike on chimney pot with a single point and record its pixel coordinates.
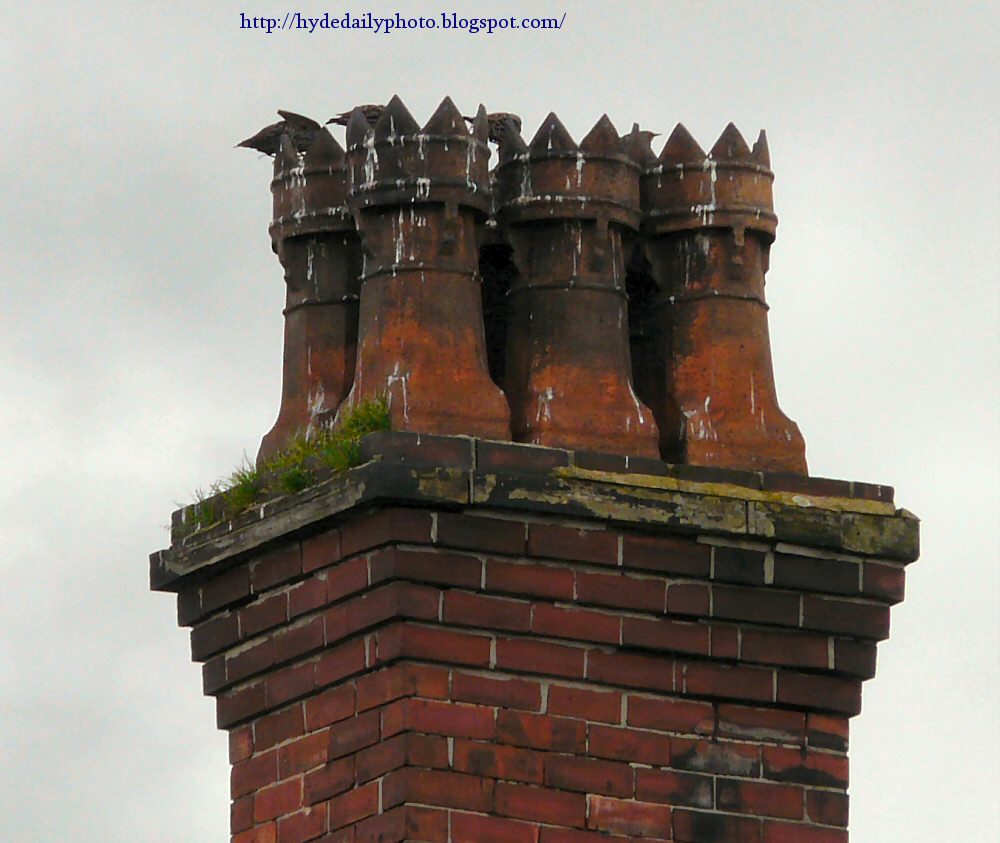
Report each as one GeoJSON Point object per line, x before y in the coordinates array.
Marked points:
{"type": "Point", "coordinates": [730, 146]}
{"type": "Point", "coordinates": [681, 148]}
{"type": "Point", "coordinates": [552, 135]}
{"type": "Point", "coordinates": [358, 128]}
{"type": "Point", "coordinates": [481, 125]}
{"type": "Point", "coordinates": [324, 150]}
{"type": "Point", "coordinates": [761, 154]}
{"type": "Point", "coordinates": [446, 120]}
{"type": "Point", "coordinates": [602, 138]}
{"type": "Point", "coordinates": [287, 157]}
{"type": "Point", "coordinates": [395, 121]}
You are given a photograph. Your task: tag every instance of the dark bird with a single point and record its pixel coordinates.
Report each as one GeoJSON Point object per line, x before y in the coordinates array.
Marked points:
{"type": "Point", "coordinates": [302, 131]}
{"type": "Point", "coordinates": [372, 113]}
{"type": "Point", "coordinates": [498, 122]}
{"type": "Point", "coordinates": [642, 135]}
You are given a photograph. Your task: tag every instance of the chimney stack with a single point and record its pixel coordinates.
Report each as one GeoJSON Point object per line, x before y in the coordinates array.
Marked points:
{"type": "Point", "coordinates": [510, 619]}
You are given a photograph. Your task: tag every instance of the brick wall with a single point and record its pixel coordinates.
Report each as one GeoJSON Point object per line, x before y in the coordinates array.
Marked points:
{"type": "Point", "coordinates": [470, 666]}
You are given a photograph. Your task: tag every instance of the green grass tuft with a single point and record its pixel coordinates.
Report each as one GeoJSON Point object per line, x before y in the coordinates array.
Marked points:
{"type": "Point", "coordinates": [291, 470]}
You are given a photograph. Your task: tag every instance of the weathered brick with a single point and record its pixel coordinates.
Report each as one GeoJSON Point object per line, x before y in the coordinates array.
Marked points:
{"type": "Point", "coordinates": [856, 658]}
{"type": "Point", "coordinates": [214, 635]}
{"type": "Point", "coordinates": [864, 620]}
{"type": "Point", "coordinates": [827, 732]}
{"type": "Point", "coordinates": [670, 787]}
{"type": "Point", "coordinates": [787, 649]}
{"type": "Point", "coordinates": [225, 590]}
{"type": "Point", "coordinates": [629, 745]}
{"type": "Point", "coordinates": [636, 819]}
{"type": "Point", "coordinates": [282, 798]}
{"type": "Point", "coordinates": [598, 547]}
{"type": "Point", "coordinates": [401, 680]}
{"type": "Point", "coordinates": [827, 807]}
{"type": "Point", "coordinates": [631, 670]}
{"type": "Point", "coordinates": [768, 725]}
{"type": "Point", "coordinates": [486, 535]}
{"type": "Point", "coordinates": [429, 565]}
{"type": "Point", "coordinates": [253, 774]}
{"type": "Point", "coordinates": [809, 690]}
{"type": "Point", "coordinates": [760, 798]}
{"type": "Point", "coordinates": [574, 623]}
{"type": "Point", "coordinates": [883, 581]}
{"type": "Point", "coordinates": [666, 634]}
{"type": "Point", "coordinates": [699, 827]}
{"type": "Point", "coordinates": [776, 832]}
{"type": "Point", "coordinates": [506, 692]}
{"type": "Point", "coordinates": [276, 568]}
{"type": "Point", "coordinates": [621, 591]}
{"type": "Point", "coordinates": [540, 657]}
{"type": "Point", "coordinates": [289, 683]}
{"type": "Point", "coordinates": [817, 769]}
{"type": "Point", "coordinates": [353, 806]}
{"type": "Point", "coordinates": [807, 573]}
{"type": "Point", "coordinates": [589, 775]}
{"type": "Point", "coordinates": [303, 825]}
{"type": "Point", "coordinates": [241, 814]}
{"type": "Point", "coordinates": [303, 754]}
{"type": "Point", "coordinates": [347, 577]}
{"type": "Point", "coordinates": [473, 828]}
{"type": "Point", "coordinates": [738, 565]}
{"type": "Point", "coordinates": [280, 726]}
{"type": "Point", "coordinates": [688, 599]}
{"type": "Point", "coordinates": [668, 554]}
{"type": "Point", "coordinates": [335, 663]}
{"type": "Point", "coordinates": [329, 707]}
{"type": "Point", "coordinates": [321, 551]}
{"type": "Point", "coordinates": [603, 706]}
{"type": "Point", "coordinates": [234, 706]}
{"type": "Point", "coordinates": [726, 758]}
{"type": "Point", "coordinates": [307, 596]}
{"type": "Point", "coordinates": [467, 609]}
{"type": "Point", "coordinates": [266, 613]}
{"type": "Point", "coordinates": [755, 604]}
{"type": "Point", "coordinates": [437, 788]}
{"type": "Point", "coordinates": [728, 681]}
{"type": "Point", "coordinates": [348, 736]}
{"type": "Point", "coordinates": [540, 731]}
{"type": "Point", "coordinates": [448, 718]}
{"type": "Point", "coordinates": [422, 642]}
{"type": "Point", "coordinates": [670, 715]}
{"type": "Point", "coordinates": [541, 805]}
{"type": "Point", "coordinates": [531, 580]}
{"type": "Point", "coordinates": [328, 780]}
{"type": "Point", "coordinates": [386, 526]}
{"type": "Point", "coordinates": [498, 762]}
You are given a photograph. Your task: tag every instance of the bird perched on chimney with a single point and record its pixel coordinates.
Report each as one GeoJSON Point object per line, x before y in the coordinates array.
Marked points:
{"type": "Point", "coordinates": [638, 144]}
{"type": "Point", "coordinates": [302, 130]}
{"type": "Point", "coordinates": [642, 135]}
{"type": "Point", "coordinates": [372, 113]}
{"type": "Point", "coordinates": [498, 122]}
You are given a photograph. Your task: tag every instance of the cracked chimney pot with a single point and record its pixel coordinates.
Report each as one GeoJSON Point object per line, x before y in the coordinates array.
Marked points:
{"type": "Point", "coordinates": [314, 236]}
{"type": "Point", "coordinates": [708, 224]}
{"type": "Point", "coordinates": [420, 198]}
{"type": "Point", "coordinates": [567, 211]}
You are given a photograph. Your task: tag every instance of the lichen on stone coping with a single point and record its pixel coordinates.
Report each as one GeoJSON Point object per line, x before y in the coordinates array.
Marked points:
{"type": "Point", "coordinates": [460, 472]}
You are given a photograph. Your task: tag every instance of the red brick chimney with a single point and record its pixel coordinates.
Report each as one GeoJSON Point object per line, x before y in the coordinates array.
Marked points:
{"type": "Point", "coordinates": [562, 638]}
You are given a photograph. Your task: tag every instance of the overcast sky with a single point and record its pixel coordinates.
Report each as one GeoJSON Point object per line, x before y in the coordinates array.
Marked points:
{"type": "Point", "coordinates": [140, 340]}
